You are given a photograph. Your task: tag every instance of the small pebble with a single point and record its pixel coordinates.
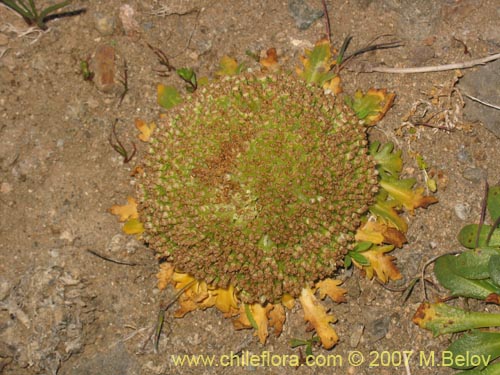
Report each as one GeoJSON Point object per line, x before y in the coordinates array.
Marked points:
{"type": "Point", "coordinates": [104, 24]}
{"type": "Point", "coordinates": [463, 155]}
{"type": "Point", "coordinates": [356, 333]}
{"type": "Point", "coordinates": [378, 328]}
{"type": "Point", "coordinates": [129, 23]}
{"type": "Point", "coordinates": [462, 210]}
{"type": "Point", "coordinates": [303, 15]}
{"type": "Point", "coordinates": [474, 174]}
{"type": "Point", "coordinates": [104, 68]}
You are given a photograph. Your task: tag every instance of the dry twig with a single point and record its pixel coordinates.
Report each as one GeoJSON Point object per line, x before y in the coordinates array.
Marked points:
{"type": "Point", "coordinates": [428, 69]}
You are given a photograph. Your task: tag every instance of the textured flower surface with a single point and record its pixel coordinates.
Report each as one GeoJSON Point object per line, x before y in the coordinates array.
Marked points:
{"type": "Point", "coordinates": [257, 183]}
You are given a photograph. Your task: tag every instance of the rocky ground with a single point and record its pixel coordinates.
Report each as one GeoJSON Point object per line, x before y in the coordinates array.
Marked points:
{"type": "Point", "coordinates": [64, 310]}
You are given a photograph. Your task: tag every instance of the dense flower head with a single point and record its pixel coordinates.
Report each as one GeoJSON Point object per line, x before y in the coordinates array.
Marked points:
{"type": "Point", "coordinates": [258, 183]}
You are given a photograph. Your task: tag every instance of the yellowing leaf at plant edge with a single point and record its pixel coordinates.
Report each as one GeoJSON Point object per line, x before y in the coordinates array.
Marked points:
{"type": "Point", "coordinates": [168, 96]}
{"type": "Point", "coordinates": [404, 194]}
{"type": "Point", "coordinates": [373, 105]}
{"type": "Point", "coordinates": [165, 274]}
{"type": "Point", "coordinates": [228, 67]}
{"type": "Point", "coordinates": [315, 313]}
{"type": "Point", "coordinates": [277, 318]}
{"type": "Point", "coordinates": [318, 63]}
{"type": "Point", "coordinates": [127, 211]}
{"type": "Point", "coordinates": [271, 60]}
{"type": "Point", "coordinates": [259, 316]}
{"type": "Point", "coordinates": [381, 264]}
{"type": "Point", "coordinates": [145, 129]}
{"type": "Point", "coordinates": [330, 288]}
{"type": "Point", "coordinates": [133, 226]}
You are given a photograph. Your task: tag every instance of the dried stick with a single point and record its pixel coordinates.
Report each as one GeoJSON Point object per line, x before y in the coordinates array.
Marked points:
{"type": "Point", "coordinates": [428, 69]}
{"type": "Point", "coordinates": [327, 22]}
{"type": "Point", "coordinates": [479, 101]}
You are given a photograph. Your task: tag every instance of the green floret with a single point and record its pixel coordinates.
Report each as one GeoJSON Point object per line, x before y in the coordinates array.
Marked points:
{"type": "Point", "coordinates": [259, 183]}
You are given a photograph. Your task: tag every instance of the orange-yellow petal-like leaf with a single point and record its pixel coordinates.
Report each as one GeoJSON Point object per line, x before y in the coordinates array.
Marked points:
{"type": "Point", "coordinates": [277, 317]}
{"type": "Point", "coordinates": [165, 274]}
{"type": "Point", "coordinates": [133, 226]}
{"type": "Point", "coordinates": [127, 211]}
{"type": "Point", "coordinates": [288, 301]}
{"type": "Point", "coordinates": [330, 288]}
{"type": "Point", "coordinates": [260, 315]}
{"type": "Point", "coordinates": [228, 67]}
{"type": "Point", "coordinates": [226, 300]}
{"type": "Point", "coordinates": [145, 129]}
{"type": "Point", "coordinates": [270, 62]}
{"type": "Point", "coordinates": [315, 313]}
{"type": "Point", "coordinates": [370, 232]}
{"type": "Point", "coordinates": [334, 85]}
{"type": "Point", "coordinates": [186, 305]}
{"type": "Point", "coordinates": [385, 211]}
{"type": "Point", "coordinates": [318, 63]}
{"type": "Point", "coordinates": [373, 105]}
{"type": "Point", "coordinates": [407, 196]}
{"type": "Point", "coordinates": [381, 264]}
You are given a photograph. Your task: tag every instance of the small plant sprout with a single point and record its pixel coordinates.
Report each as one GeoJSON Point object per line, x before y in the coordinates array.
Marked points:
{"type": "Point", "coordinates": [30, 13]}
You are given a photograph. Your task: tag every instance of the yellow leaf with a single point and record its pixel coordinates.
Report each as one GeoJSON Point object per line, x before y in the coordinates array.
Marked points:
{"type": "Point", "coordinates": [373, 105]}
{"type": "Point", "coordinates": [228, 67]}
{"type": "Point", "coordinates": [181, 280]}
{"type": "Point", "coordinates": [226, 300]}
{"type": "Point", "coordinates": [258, 315]}
{"type": "Point", "coordinates": [378, 233]}
{"type": "Point", "coordinates": [371, 232]}
{"type": "Point", "coordinates": [133, 226]}
{"type": "Point", "coordinates": [277, 318]}
{"type": "Point", "coordinates": [381, 265]}
{"type": "Point", "coordinates": [127, 211]}
{"type": "Point", "coordinates": [404, 194]}
{"type": "Point", "coordinates": [186, 305]}
{"type": "Point", "coordinates": [330, 288]}
{"type": "Point", "coordinates": [165, 274]}
{"type": "Point", "coordinates": [271, 60]}
{"type": "Point", "coordinates": [315, 313]}
{"type": "Point", "coordinates": [242, 322]}
{"type": "Point", "coordinates": [334, 85]}
{"type": "Point", "coordinates": [288, 301]}
{"type": "Point", "coordinates": [145, 129]}
{"type": "Point", "coordinates": [318, 63]}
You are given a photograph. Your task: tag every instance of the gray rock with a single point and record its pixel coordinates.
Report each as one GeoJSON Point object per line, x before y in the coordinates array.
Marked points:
{"type": "Point", "coordinates": [104, 24]}
{"type": "Point", "coordinates": [474, 174]}
{"type": "Point", "coordinates": [377, 329]}
{"type": "Point", "coordinates": [484, 84]}
{"type": "Point", "coordinates": [356, 333]}
{"type": "Point", "coordinates": [463, 155]}
{"type": "Point", "coordinates": [462, 210]}
{"type": "Point", "coordinates": [303, 15]}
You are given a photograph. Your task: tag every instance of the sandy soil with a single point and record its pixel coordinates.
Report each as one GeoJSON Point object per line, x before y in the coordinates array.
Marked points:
{"type": "Point", "coordinates": [66, 311]}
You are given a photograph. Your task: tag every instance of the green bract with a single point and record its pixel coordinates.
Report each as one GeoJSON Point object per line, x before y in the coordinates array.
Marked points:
{"type": "Point", "coordinates": [259, 183]}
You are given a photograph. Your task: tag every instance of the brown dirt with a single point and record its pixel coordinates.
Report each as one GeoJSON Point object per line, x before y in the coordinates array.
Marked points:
{"type": "Point", "coordinates": [66, 311]}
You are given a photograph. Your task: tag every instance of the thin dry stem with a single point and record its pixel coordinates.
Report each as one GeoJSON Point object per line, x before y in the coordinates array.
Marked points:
{"type": "Point", "coordinates": [428, 69]}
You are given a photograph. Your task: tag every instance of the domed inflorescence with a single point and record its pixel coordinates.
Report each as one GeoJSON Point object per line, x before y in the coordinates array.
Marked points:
{"type": "Point", "coordinates": [258, 183]}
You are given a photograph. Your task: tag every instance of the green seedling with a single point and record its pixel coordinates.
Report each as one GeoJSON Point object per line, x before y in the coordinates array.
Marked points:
{"type": "Point", "coordinates": [30, 13]}
{"type": "Point", "coordinates": [474, 273]}
{"type": "Point", "coordinates": [85, 71]}
{"type": "Point", "coordinates": [297, 343]}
